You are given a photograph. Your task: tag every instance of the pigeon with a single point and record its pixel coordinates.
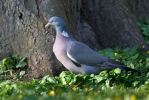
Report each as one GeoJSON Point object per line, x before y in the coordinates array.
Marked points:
{"type": "Point", "coordinates": [78, 57]}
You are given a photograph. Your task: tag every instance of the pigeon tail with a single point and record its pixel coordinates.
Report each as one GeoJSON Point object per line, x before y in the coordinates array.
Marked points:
{"type": "Point", "coordinates": [128, 69]}
{"type": "Point", "coordinates": [122, 67]}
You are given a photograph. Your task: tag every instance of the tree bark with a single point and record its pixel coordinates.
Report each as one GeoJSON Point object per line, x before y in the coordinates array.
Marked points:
{"type": "Point", "coordinates": [23, 33]}
{"type": "Point", "coordinates": [139, 8]}
{"type": "Point", "coordinates": [113, 23]}
{"type": "Point", "coordinates": [97, 23]}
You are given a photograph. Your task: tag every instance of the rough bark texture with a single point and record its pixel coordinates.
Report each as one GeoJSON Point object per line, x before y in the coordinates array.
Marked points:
{"type": "Point", "coordinates": [139, 8]}
{"type": "Point", "coordinates": [113, 23]}
{"type": "Point", "coordinates": [97, 23]}
{"type": "Point", "coordinates": [23, 33]}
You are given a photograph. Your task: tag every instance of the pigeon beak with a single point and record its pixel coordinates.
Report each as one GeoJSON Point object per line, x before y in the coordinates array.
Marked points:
{"type": "Point", "coordinates": [47, 25]}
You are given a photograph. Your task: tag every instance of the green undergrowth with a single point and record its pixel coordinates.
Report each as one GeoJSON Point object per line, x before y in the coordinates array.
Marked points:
{"type": "Point", "coordinates": [12, 67]}
{"type": "Point", "coordinates": [113, 85]}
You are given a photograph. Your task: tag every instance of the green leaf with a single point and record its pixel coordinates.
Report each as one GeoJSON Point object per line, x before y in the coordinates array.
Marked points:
{"type": "Point", "coordinates": [4, 83]}
{"type": "Point", "coordinates": [131, 65]}
{"type": "Point", "coordinates": [117, 70]}
{"type": "Point", "coordinates": [65, 73]}
{"type": "Point", "coordinates": [147, 20]}
{"type": "Point", "coordinates": [52, 80]}
{"type": "Point", "coordinates": [22, 59]}
{"type": "Point", "coordinates": [135, 83]}
{"type": "Point", "coordinates": [121, 85]}
{"type": "Point", "coordinates": [16, 56]}
{"type": "Point", "coordinates": [1, 71]}
{"type": "Point", "coordinates": [44, 79]}
{"type": "Point", "coordinates": [147, 41]}
{"type": "Point", "coordinates": [22, 73]}
{"type": "Point", "coordinates": [21, 64]}
{"type": "Point", "coordinates": [147, 64]}
{"type": "Point", "coordinates": [135, 56]}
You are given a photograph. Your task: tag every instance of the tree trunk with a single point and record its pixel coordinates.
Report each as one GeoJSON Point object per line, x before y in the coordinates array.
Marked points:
{"type": "Point", "coordinates": [139, 8]}
{"type": "Point", "coordinates": [113, 23]}
{"type": "Point", "coordinates": [23, 33]}
{"type": "Point", "coordinates": [97, 23]}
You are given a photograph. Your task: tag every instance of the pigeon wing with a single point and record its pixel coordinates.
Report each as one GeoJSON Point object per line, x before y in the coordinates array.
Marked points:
{"type": "Point", "coordinates": [82, 54]}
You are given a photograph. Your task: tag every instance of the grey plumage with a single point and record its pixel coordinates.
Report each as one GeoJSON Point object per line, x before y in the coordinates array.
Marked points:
{"type": "Point", "coordinates": [78, 57]}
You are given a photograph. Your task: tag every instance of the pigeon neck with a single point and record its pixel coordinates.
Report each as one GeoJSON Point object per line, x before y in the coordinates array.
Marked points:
{"type": "Point", "coordinates": [62, 30]}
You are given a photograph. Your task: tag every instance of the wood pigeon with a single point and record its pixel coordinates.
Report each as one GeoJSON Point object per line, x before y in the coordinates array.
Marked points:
{"type": "Point", "coordinates": [78, 57]}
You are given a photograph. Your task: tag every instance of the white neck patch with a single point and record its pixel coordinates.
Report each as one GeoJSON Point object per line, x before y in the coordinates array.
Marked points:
{"type": "Point", "coordinates": [65, 34]}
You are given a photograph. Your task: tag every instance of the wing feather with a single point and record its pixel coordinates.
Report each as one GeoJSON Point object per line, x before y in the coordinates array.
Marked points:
{"type": "Point", "coordinates": [82, 54]}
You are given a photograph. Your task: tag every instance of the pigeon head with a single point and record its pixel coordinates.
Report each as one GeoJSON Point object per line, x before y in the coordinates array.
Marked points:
{"type": "Point", "coordinates": [58, 23]}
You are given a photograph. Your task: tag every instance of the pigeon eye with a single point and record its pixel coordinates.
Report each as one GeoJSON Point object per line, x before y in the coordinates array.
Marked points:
{"type": "Point", "coordinates": [54, 21]}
